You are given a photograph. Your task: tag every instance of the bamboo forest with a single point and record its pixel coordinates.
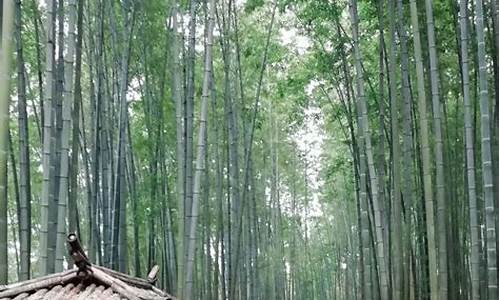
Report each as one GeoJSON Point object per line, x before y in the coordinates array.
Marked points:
{"type": "Point", "coordinates": [254, 149]}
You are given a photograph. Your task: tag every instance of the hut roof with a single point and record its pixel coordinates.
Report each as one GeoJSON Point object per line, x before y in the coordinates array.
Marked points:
{"type": "Point", "coordinates": [86, 282]}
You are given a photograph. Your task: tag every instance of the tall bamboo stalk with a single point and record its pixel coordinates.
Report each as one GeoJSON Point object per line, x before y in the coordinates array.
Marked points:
{"type": "Point", "coordinates": [5, 57]}
{"type": "Point", "coordinates": [425, 153]}
{"type": "Point", "coordinates": [200, 156]}
{"type": "Point", "coordinates": [469, 149]}
{"type": "Point", "coordinates": [47, 139]}
{"type": "Point", "coordinates": [66, 118]}
{"type": "Point", "coordinates": [377, 206]}
{"type": "Point", "coordinates": [24, 157]}
{"type": "Point", "coordinates": [486, 161]}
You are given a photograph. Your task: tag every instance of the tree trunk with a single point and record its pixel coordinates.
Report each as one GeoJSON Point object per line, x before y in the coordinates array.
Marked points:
{"type": "Point", "coordinates": [66, 117]}
{"type": "Point", "coordinates": [188, 132]}
{"type": "Point", "coordinates": [119, 233]}
{"type": "Point", "coordinates": [408, 158]}
{"type": "Point", "coordinates": [425, 152]}
{"type": "Point", "coordinates": [378, 208]}
{"type": "Point", "coordinates": [36, 21]}
{"type": "Point", "coordinates": [24, 158]}
{"type": "Point", "coordinates": [45, 268]}
{"type": "Point", "coordinates": [441, 215]}
{"type": "Point", "coordinates": [200, 159]}
{"type": "Point", "coordinates": [5, 46]}
{"type": "Point", "coordinates": [396, 194]}
{"type": "Point", "coordinates": [486, 155]}
{"type": "Point", "coordinates": [73, 192]}
{"type": "Point", "coordinates": [177, 95]}
{"type": "Point", "coordinates": [469, 148]}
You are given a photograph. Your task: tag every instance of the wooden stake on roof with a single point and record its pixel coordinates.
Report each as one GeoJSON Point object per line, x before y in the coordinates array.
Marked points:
{"type": "Point", "coordinates": [153, 274]}
{"type": "Point", "coordinates": [77, 253]}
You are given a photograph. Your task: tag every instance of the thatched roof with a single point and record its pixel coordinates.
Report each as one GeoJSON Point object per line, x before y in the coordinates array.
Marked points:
{"type": "Point", "coordinates": [87, 282]}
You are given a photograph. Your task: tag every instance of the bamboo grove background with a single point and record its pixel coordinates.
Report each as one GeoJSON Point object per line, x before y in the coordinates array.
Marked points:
{"type": "Point", "coordinates": [290, 149]}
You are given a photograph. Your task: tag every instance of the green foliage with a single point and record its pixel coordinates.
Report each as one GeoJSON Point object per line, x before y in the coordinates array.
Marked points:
{"type": "Point", "coordinates": [252, 5]}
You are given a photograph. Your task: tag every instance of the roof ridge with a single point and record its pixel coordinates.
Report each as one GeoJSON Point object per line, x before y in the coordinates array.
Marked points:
{"type": "Point", "coordinates": [19, 283]}
{"type": "Point", "coordinates": [125, 277]}
{"type": "Point", "coordinates": [124, 281]}
{"type": "Point", "coordinates": [114, 283]}
{"type": "Point", "coordinates": [37, 283]}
